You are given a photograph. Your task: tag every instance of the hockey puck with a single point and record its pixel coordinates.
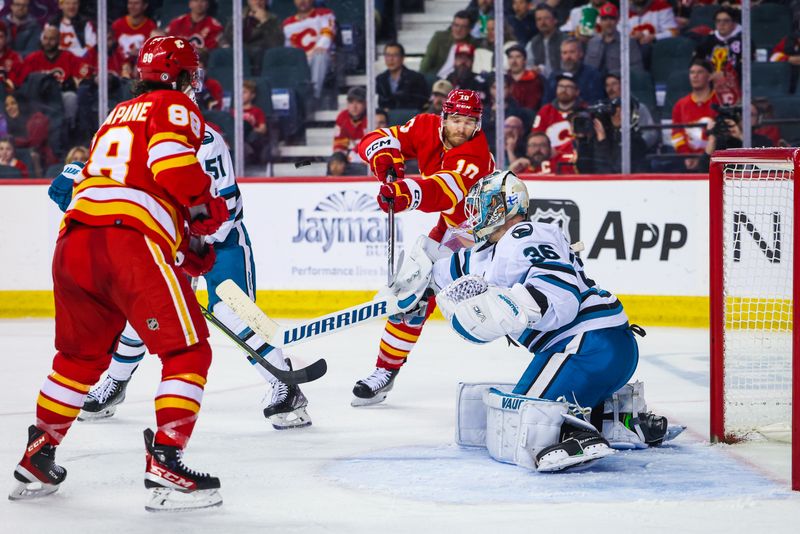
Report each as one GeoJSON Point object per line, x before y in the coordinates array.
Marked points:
{"type": "Point", "coordinates": [304, 163]}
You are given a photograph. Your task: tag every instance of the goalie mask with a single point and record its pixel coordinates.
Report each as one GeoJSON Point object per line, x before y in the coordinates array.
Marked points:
{"type": "Point", "coordinates": [492, 201]}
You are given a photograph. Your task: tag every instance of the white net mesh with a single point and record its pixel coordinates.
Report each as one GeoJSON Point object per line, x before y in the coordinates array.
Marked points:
{"type": "Point", "coordinates": [758, 297]}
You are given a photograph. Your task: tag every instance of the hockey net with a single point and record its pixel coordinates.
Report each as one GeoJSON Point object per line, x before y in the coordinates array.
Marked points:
{"type": "Point", "coordinates": [754, 348]}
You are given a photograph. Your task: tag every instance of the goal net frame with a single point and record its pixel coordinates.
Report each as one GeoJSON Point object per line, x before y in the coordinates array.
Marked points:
{"type": "Point", "coordinates": [738, 162]}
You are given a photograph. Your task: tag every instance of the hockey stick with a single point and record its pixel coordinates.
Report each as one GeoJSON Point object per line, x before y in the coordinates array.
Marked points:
{"type": "Point", "coordinates": [300, 376]}
{"type": "Point", "coordinates": [279, 336]}
{"type": "Point", "coordinates": [390, 177]}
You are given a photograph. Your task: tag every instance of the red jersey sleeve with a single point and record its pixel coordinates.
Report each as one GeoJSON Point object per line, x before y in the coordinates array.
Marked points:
{"type": "Point", "coordinates": [175, 132]}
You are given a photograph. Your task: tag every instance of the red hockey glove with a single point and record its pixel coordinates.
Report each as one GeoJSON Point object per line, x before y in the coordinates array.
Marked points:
{"type": "Point", "coordinates": [195, 256]}
{"type": "Point", "coordinates": [386, 160]}
{"type": "Point", "coordinates": [207, 218]}
{"type": "Point", "coordinates": [403, 194]}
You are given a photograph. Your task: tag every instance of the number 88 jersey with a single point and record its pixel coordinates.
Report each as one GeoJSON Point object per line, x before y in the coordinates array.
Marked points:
{"type": "Point", "coordinates": [143, 169]}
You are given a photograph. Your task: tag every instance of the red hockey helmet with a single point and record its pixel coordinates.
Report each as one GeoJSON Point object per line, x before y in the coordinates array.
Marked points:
{"type": "Point", "coordinates": [162, 59]}
{"type": "Point", "coordinates": [464, 102]}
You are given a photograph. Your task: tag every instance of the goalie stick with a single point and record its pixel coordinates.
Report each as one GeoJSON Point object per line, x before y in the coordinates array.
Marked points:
{"type": "Point", "coordinates": [279, 336]}
{"type": "Point", "coordinates": [299, 376]}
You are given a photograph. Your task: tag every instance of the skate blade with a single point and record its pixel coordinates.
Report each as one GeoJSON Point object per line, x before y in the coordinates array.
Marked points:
{"type": "Point", "coordinates": [358, 401]}
{"type": "Point", "coordinates": [105, 413]}
{"type": "Point", "coordinates": [298, 418]}
{"type": "Point", "coordinates": [575, 463]}
{"type": "Point", "coordinates": [673, 431]}
{"type": "Point", "coordinates": [171, 500]}
{"type": "Point", "coordinates": [24, 491]}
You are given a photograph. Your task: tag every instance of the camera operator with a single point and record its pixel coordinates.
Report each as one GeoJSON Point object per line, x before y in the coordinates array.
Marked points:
{"type": "Point", "coordinates": [725, 131]}
{"type": "Point", "coordinates": [598, 138]}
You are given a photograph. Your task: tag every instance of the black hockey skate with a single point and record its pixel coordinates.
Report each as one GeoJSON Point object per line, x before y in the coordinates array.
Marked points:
{"type": "Point", "coordinates": [174, 486]}
{"type": "Point", "coordinates": [579, 446]}
{"type": "Point", "coordinates": [103, 399]}
{"type": "Point", "coordinates": [374, 388]}
{"type": "Point", "coordinates": [287, 406]}
{"type": "Point", "coordinates": [37, 474]}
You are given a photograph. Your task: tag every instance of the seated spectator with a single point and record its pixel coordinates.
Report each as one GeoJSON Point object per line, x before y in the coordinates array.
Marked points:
{"type": "Point", "coordinates": [439, 92]}
{"type": "Point", "coordinates": [538, 157]}
{"type": "Point", "coordinates": [614, 91]}
{"type": "Point", "coordinates": [586, 76]}
{"type": "Point", "coordinates": [439, 52]}
{"type": "Point", "coordinates": [553, 118]}
{"type": "Point", "coordinates": [788, 49]}
{"type": "Point", "coordinates": [351, 123]}
{"type": "Point", "coordinates": [312, 29]}
{"type": "Point", "coordinates": [201, 29]}
{"type": "Point", "coordinates": [603, 51]}
{"type": "Point", "coordinates": [212, 95]}
{"type": "Point", "coordinates": [696, 107]}
{"type": "Point", "coordinates": [77, 153]}
{"type": "Point", "coordinates": [337, 164]}
{"type": "Point", "coordinates": [10, 62]}
{"type": "Point", "coordinates": [544, 50]}
{"type": "Point", "coordinates": [582, 21]}
{"type": "Point", "coordinates": [21, 25]}
{"type": "Point", "coordinates": [526, 84]}
{"type": "Point", "coordinates": [131, 31]}
{"type": "Point", "coordinates": [480, 11]}
{"type": "Point", "coordinates": [64, 66]}
{"type": "Point", "coordinates": [488, 119]}
{"type": "Point", "coordinates": [398, 86]}
{"type": "Point", "coordinates": [381, 119]}
{"type": "Point", "coordinates": [723, 49]}
{"type": "Point", "coordinates": [726, 132]}
{"type": "Point", "coordinates": [257, 142]}
{"type": "Point", "coordinates": [598, 142]}
{"type": "Point", "coordinates": [652, 20]}
{"type": "Point", "coordinates": [462, 76]}
{"type": "Point", "coordinates": [29, 130]}
{"type": "Point", "coordinates": [515, 138]}
{"type": "Point", "coordinates": [261, 30]}
{"type": "Point", "coordinates": [488, 41]}
{"type": "Point", "coordinates": [8, 157]}
{"type": "Point", "coordinates": [522, 21]}
{"type": "Point", "coordinates": [761, 110]}
{"type": "Point", "coordinates": [77, 33]}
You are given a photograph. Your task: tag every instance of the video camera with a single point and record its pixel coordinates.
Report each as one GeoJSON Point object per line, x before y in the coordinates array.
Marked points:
{"type": "Point", "coordinates": [724, 114]}
{"type": "Point", "coordinates": [582, 119]}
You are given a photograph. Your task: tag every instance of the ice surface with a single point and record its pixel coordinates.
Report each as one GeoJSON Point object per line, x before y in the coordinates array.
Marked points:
{"type": "Point", "coordinates": [392, 467]}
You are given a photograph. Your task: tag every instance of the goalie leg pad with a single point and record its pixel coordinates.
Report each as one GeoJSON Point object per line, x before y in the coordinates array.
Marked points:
{"type": "Point", "coordinates": [628, 425]}
{"type": "Point", "coordinates": [471, 413]}
{"type": "Point", "coordinates": [518, 427]}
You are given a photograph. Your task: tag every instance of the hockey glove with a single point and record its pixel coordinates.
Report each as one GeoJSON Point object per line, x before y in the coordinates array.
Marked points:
{"type": "Point", "coordinates": [384, 155]}
{"type": "Point", "coordinates": [402, 194]}
{"type": "Point", "coordinates": [60, 190]}
{"type": "Point", "coordinates": [195, 256]}
{"type": "Point", "coordinates": [207, 218]}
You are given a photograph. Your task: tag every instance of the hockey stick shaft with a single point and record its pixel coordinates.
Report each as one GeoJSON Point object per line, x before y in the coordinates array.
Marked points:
{"type": "Point", "coordinates": [299, 376]}
{"type": "Point", "coordinates": [390, 177]}
{"type": "Point", "coordinates": [280, 336]}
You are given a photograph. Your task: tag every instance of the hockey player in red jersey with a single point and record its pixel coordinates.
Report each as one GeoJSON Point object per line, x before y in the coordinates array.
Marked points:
{"type": "Point", "coordinates": [133, 230]}
{"type": "Point", "coordinates": [452, 154]}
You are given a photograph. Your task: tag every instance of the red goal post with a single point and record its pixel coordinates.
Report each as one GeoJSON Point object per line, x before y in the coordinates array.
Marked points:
{"type": "Point", "coordinates": [755, 351]}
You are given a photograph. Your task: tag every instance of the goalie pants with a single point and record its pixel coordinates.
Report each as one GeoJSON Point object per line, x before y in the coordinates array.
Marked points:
{"type": "Point", "coordinates": [586, 368]}
{"type": "Point", "coordinates": [103, 276]}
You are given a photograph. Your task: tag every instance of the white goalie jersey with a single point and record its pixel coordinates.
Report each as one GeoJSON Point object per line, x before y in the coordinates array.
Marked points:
{"type": "Point", "coordinates": [215, 158]}
{"type": "Point", "coordinates": [538, 256]}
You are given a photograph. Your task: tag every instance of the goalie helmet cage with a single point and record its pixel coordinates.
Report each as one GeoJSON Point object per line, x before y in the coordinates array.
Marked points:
{"type": "Point", "coordinates": [755, 352]}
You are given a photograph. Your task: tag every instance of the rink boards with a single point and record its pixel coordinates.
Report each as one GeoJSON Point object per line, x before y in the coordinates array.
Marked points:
{"type": "Point", "coordinates": [319, 243]}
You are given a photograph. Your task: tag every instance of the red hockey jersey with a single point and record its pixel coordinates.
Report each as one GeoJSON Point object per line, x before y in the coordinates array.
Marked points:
{"type": "Point", "coordinates": [143, 170]}
{"type": "Point", "coordinates": [447, 175]}
{"type": "Point", "coordinates": [130, 38]}
{"type": "Point", "coordinates": [203, 34]}
{"type": "Point", "coordinates": [687, 110]}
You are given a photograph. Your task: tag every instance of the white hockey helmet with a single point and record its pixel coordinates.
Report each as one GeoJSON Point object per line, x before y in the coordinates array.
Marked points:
{"type": "Point", "coordinates": [492, 201]}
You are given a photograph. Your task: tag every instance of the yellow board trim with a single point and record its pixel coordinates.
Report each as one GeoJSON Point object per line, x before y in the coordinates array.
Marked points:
{"type": "Point", "coordinates": [55, 407]}
{"type": "Point", "coordinates": [645, 310]}
{"type": "Point", "coordinates": [177, 403]}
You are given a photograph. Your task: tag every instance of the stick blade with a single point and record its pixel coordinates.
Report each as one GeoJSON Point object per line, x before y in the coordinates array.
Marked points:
{"type": "Point", "coordinates": [248, 311]}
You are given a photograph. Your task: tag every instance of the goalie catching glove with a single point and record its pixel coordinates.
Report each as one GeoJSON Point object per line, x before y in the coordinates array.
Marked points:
{"type": "Point", "coordinates": [480, 312]}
